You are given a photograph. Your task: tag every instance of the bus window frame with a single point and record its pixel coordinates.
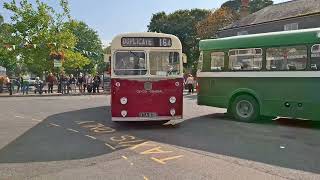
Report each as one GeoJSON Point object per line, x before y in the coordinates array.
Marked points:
{"type": "Point", "coordinates": [308, 58]}
{"type": "Point", "coordinates": [237, 54]}
{"type": "Point", "coordinates": [129, 50]}
{"type": "Point", "coordinates": [224, 60]}
{"type": "Point", "coordinates": [168, 51]}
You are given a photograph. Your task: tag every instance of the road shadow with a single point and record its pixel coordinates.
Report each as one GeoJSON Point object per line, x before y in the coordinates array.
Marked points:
{"type": "Point", "coordinates": [48, 142]}
{"type": "Point", "coordinates": [285, 143]}
{"type": "Point", "coordinates": [289, 144]}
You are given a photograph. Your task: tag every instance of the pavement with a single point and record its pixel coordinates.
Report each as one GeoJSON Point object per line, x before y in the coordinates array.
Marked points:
{"type": "Point", "coordinates": [69, 137]}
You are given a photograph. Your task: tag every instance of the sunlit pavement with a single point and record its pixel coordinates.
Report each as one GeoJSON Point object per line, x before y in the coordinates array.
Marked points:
{"type": "Point", "coordinates": [73, 138]}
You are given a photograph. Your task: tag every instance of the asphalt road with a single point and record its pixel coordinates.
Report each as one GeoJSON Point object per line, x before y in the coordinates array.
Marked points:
{"type": "Point", "coordinates": [73, 138]}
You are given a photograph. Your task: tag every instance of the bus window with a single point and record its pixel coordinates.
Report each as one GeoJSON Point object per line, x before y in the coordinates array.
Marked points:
{"type": "Point", "coordinates": [217, 61]}
{"type": "Point", "coordinates": [164, 63]}
{"type": "Point", "coordinates": [130, 63]}
{"type": "Point", "coordinates": [315, 57]}
{"type": "Point", "coordinates": [287, 58]}
{"type": "Point", "coordinates": [245, 59]}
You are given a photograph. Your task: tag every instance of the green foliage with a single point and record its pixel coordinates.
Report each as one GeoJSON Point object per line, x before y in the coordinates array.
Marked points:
{"type": "Point", "coordinates": [37, 24]}
{"type": "Point", "coordinates": [51, 31]}
{"type": "Point", "coordinates": [254, 5]}
{"type": "Point", "coordinates": [234, 5]}
{"type": "Point", "coordinates": [181, 23]}
{"type": "Point", "coordinates": [74, 61]}
{"type": "Point", "coordinates": [1, 19]}
{"type": "Point", "coordinates": [88, 40]}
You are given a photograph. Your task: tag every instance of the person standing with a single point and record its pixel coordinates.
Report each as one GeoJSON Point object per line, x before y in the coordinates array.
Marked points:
{"type": "Point", "coordinates": [64, 84]}
{"type": "Point", "coordinates": [9, 84]}
{"type": "Point", "coordinates": [72, 83]}
{"type": "Point", "coordinates": [51, 80]}
{"type": "Point", "coordinates": [189, 82]}
{"type": "Point", "coordinates": [80, 82]}
{"type": "Point", "coordinates": [18, 83]}
{"type": "Point", "coordinates": [85, 80]}
{"type": "Point", "coordinates": [25, 85]}
{"type": "Point", "coordinates": [89, 83]}
{"type": "Point", "coordinates": [96, 83]}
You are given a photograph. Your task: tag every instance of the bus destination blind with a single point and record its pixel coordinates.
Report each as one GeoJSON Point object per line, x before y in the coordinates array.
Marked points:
{"type": "Point", "coordinates": [146, 42]}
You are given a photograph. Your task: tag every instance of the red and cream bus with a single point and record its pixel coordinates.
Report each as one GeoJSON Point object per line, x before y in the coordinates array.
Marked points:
{"type": "Point", "coordinates": [146, 77]}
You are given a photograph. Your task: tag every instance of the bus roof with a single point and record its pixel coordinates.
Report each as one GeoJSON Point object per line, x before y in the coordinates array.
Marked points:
{"type": "Point", "coordinates": [116, 42]}
{"type": "Point", "coordinates": [283, 38]}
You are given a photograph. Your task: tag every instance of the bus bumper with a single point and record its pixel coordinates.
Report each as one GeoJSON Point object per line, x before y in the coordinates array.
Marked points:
{"type": "Point", "coordinates": [159, 118]}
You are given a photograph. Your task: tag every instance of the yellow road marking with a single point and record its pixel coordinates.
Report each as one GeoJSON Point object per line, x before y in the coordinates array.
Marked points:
{"type": "Point", "coordinates": [19, 117]}
{"type": "Point", "coordinates": [145, 178]}
{"type": "Point", "coordinates": [124, 157]}
{"type": "Point", "coordinates": [72, 130]}
{"type": "Point", "coordinates": [162, 161]}
{"type": "Point", "coordinates": [127, 142]}
{"type": "Point", "coordinates": [55, 125]}
{"type": "Point", "coordinates": [91, 137]}
{"type": "Point", "coordinates": [110, 146]}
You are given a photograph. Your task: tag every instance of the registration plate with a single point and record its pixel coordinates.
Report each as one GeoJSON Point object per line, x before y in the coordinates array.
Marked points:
{"type": "Point", "coordinates": [148, 114]}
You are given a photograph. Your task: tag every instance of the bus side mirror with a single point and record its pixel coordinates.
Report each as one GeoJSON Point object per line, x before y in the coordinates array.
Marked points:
{"type": "Point", "coordinates": [184, 58]}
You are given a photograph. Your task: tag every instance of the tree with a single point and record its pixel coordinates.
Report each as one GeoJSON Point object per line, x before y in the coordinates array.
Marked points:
{"type": "Point", "coordinates": [254, 5]}
{"type": "Point", "coordinates": [216, 20]}
{"type": "Point", "coordinates": [37, 30]}
{"type": "Point", "coordinates": [181, 23]}
{"type": "Point", "coordinates": [1, 19]}
{"type": "Point", "coordinates": [88, 41]}
{"type": "Point", "coordinates": [234, 5]}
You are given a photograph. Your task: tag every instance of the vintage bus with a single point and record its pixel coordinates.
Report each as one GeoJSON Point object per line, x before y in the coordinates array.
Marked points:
{"type": "Point", "coordinates": [263, 75]}
{"type": "Point", "coordinates": [146, 77]}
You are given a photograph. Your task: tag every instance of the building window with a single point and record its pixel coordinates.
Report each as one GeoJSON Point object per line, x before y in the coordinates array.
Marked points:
{"type": "Point", "coordinates": [315, 57]}
{"type": "Point", "coordinates": [217, 61]}
{"type": "Point", "coordinates": [290, 27]}
{"type": "Point", "coordinates": [242, 33]}
{"type": "Point", "coordinates": [287, 58]}
{"type": "Point", "coordinates": [245, 59]}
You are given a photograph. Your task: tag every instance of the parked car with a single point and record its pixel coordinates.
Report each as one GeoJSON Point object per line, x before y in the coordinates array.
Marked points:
{"type": "Point", "coordinates": [32, 81]}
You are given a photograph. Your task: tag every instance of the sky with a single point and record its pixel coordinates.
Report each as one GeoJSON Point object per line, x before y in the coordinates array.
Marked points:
{"type": "Point", "coordinates": [112, 17]}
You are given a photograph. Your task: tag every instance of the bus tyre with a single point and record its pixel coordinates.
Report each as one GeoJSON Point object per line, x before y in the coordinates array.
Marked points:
{"type": "Point", "coordinates": [245, 108]}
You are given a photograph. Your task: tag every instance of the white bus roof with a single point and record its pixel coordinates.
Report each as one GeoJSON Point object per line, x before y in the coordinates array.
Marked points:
{"type": "Point", "coordinates": [116, 42]}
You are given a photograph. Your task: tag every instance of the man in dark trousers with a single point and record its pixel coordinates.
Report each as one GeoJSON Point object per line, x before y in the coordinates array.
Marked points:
{"type": "Point", "coordinates": [96, 83]}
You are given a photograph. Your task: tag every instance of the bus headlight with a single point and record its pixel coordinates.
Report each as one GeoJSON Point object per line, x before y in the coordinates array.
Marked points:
{"type": "Point", "coordinates": [172, 112]}
{"type": "Point", "coordinates": [172, 99]}
{"type": "Point", "coordinates": [123, 100]}
{"type": "Point", "coordinates": [124, 113]}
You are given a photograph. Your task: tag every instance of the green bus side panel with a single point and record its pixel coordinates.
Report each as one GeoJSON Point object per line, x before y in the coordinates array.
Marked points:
{"type": "Point", "coordinates": [286, 97]}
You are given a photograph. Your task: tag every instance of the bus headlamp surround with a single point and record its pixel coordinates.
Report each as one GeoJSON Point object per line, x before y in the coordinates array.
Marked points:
{"type": "Point", "coordinates": [172, 99]}
{"type": "Point", "coordinates": [123, 100]}
{"type": "Point", "coordinates": [124, 113]}
{"type": "Point", "coordinates": [172, 112]}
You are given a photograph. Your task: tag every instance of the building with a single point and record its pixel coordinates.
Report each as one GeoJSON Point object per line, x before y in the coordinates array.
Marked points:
{"type": "Point", "coordinates": [291, 15]}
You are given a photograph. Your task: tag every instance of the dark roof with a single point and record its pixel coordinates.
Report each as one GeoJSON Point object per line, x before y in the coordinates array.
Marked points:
{"type": "Point", "coordinates": [279, 11]}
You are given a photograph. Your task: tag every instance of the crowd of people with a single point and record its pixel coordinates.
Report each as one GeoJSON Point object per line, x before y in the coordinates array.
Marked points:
{"type": "Point", "coordinates": [65, 84]}
{"type": "Point", "coordinates": [70, 84]}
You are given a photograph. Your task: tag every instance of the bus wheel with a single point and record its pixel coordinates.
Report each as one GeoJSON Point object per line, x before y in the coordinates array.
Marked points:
{"type": "Point", "coordinates": [245, 108]}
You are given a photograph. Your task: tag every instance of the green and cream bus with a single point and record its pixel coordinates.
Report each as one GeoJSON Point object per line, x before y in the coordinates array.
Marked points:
{"type": "Point", "coordinates": [272, 74]}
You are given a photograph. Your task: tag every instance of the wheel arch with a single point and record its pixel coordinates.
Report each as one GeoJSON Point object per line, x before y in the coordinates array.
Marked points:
{"type": "Point", "coordinates": [243, 91]}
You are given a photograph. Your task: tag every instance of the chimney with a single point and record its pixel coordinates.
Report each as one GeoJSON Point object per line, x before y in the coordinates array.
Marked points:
{"type": "Point", "coordinates": [244, 10]}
